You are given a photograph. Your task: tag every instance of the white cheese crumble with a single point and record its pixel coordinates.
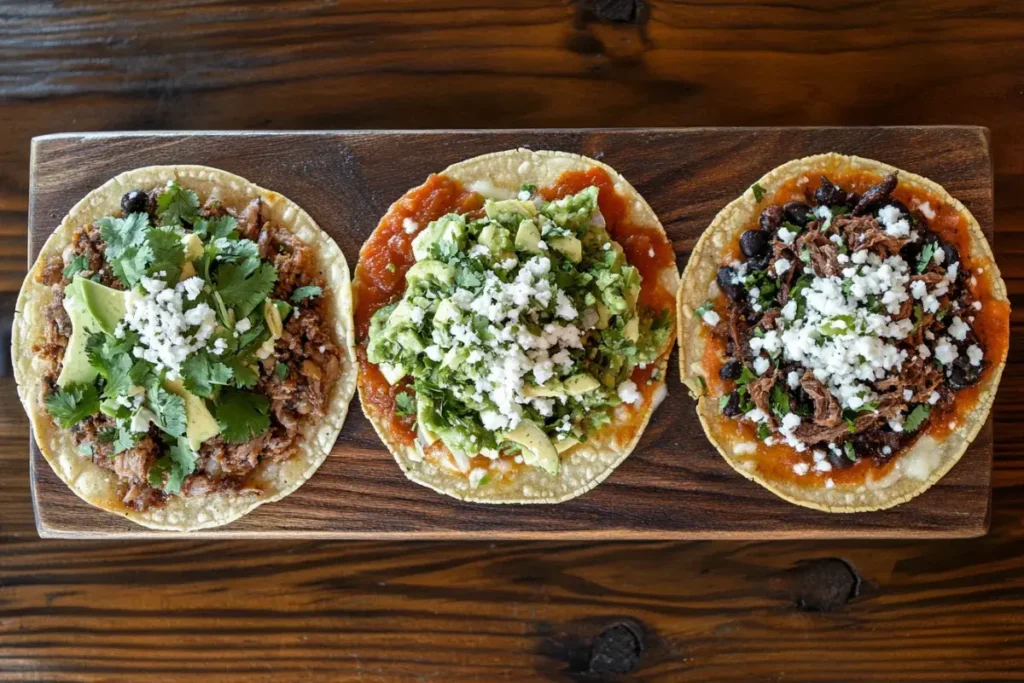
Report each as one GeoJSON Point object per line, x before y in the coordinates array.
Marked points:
{"type": "Point", "coordinates": [975, 354]}
{"type": "Point", "coordinates": [409, 225]}
{"type": "Point", "coordinates": [945, 352]}
{"type": "Point", "coordinates": [781, 266]}
{"type": "Point", "coordinates": [711, 318]}
{"type": "Point", "coordinates": [168, 333]}
{"type": "Point", "coordinates": [933, 398]}
{"type": "Point", "coordinates": [958, 329]}
{"type": "Point", "coordinates": [761, 365]}
{"type": "Point", "coordinates": [786, 235]}
{"type": "Point", "coordinates": [628, 392]}
{"type": "Point", "coordinates": [800, 468]}
{"type": "Point", "coordinates": [895, 225]}
{"type": "Point", "coordinates": [927, 210]}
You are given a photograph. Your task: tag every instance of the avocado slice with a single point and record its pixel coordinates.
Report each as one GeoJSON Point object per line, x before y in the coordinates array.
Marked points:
{"type": "Point", "coordinates": [450, 228]}
{"type": "Point", "coordinates": [200, 423]}
{"type": "Point", "coordinates": [538, 450]}
{"type": "Point", "coordinates": [392, 373]}
{"type": "Point", "coordinates": [509, 208]}
{"type": "Point", "coordinates": [104, 303]}
{"type": "Point", "coordinates": [632, 329]}
{"type": "Point", "coordinates": [193, 246]}
{"type": "Point", "coordinates": [528, 236]}
{"type": "Point", "coordinates": [580, 384]}
{"type": "Point", "coordinates": [570, 247]}
{"type": "Point", "coordinates": [91, 307]}
{"type": "Point", "coordinates": [430, 268]}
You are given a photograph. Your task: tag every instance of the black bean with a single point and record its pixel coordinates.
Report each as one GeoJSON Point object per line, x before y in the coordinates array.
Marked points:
{"type": "Point", "coordinates": [760, 262]}
{"type": "Point", "coordinates": [961, 374]}
{"type": "Point", "coordinates": [798, 213]}
{"type": "Point", "coordinates": [829, 194]}
{"type": "Point", "coordinates": [135, 201]}
{"type": "Point", "coordinates": [732, 406]}
{"type": "Point", "coordinates": [726, 275]}
{"type": "Point", "coordinates": [839, 460]}
{"type": "Point", "coordinates": [771, 218]}
{"type": "Point", "coordinates": [952, 255]}
{"type": "Point", "coordinates": [731, 370]}
{"type": "Point", "coordinates": [753, 242]}
{"type": "Point", "coordinates": [876, 194]}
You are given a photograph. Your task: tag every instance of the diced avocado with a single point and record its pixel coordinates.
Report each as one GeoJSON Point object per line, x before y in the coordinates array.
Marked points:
{"type": "Point", "coordinates": [426, 416]}
{"type": "Point", "coordinates": [392, 373]}
{"type": "Point", "coordinates": [430, 269]}
{"type": "Point", "coordinates": [509, 208]}
{"type": "Point", "coordinates": [200, 424]}
{"type": "Point", "coordinates": [564, 444]}
{"type": "Point", "coordinates": [580, 384]}
{"type": "Point", "coordinates": [570, 247]}
{"type": "Point", "coordinates": [409, 340]}
{"type": "Point", "coordinates": [550, 389]}
{"type": "Point", "coordinates": [446, 311]}
{"type": "Point", "coordinates": [450, 229]}
{"type": "Point", "coordinates": [91, 307]}
{"type": "Point", "coordinates": [104, 303]}
{"type": "Point", "coordinates": [193, 246]}
{"type": "Point", "coordinates": [632, 329]}
{"type": "Point", "coordinates": [603, 315]}
{"type": "Point", "coordinates": [187, 270]}
{"type": "Point", "coordinates": [538, 451]}
{"type": "Point", "coordinates": [528, 236]}
{"type": "Point", "coordinates": [401, 315]}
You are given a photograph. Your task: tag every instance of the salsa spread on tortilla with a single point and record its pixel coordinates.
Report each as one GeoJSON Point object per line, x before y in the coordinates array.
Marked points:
{"type": "Point", "coordinates": [189, 339]}
{"type": "Point", "coordinates": [515, 329]}
{"type": "Point", "coordinates": [848, 319]}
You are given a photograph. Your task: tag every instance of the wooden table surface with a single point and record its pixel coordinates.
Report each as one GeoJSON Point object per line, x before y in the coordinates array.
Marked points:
{"type": "Point", "coordinates": [706, 611]}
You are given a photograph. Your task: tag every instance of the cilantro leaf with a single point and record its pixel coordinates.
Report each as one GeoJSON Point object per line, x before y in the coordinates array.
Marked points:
{"type": "Point", "coordinates": [201, 373]}
{"type": "Point", "coordinates": [850, 451]}
{"type": "Point", "coordinates": [176, 205]}
{"type": "Point", "coordinates": [169, 409]}
{"type": "Point", "coordinates": [779, 401]}
{"type": "Point", "coordinates": [916, 418]}
{"type": "Point", "coordinates": [759, 192]}
{"type": "Point", "coordinates": [242, 414]}
{"type": "Point", "coordinates": [72, 404]}
{"type": "Point", "coordinates": [115, 365]}
{"type": "Point", "coordinates": [235, 251]}
{"type": "Point", "coordinates": [244, 286]}
{"type": "Point", "coordinates": [723, 401]}
{"type": "Point", "coordinates": [405, 405]}
{"type": "Point", "coordinates": [77, 265]}
{"type": "Point", "coordinates": [281, 370]}
{"type": "Point", "coordinates": [242, 375]}
{"type": "Point", "coordinates": [224, 227]}
{"type": "Point", "coordinates": [704, 308]}
{"type": "Point", "coordinates": [927, 253]}
{"type": "Point", "coordinates": [125, 438]}
{"type": "Point", "coordinates": [171, 470]}
{"type": "Point", "coordinates": [167, 253]}
{"type": "Point", "coordinates": [763, 431]}
{"type": "Point", "coordinates": [121, 234]}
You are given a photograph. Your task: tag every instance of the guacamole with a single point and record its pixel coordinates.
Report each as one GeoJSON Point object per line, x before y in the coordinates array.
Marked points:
{"type": "Point", "coordinates": [518, 330]}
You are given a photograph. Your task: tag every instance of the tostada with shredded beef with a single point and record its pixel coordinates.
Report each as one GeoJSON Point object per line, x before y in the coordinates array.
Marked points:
{"type": "Point", "coordinates": [844, 326]}
{"type": "Point", "coordinates": [183, 347]}
{"type": "Point", "coordinates": [514, 320]}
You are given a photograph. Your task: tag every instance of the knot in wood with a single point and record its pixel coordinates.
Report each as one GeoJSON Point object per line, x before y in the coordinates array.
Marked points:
{"type": "Point", "coordinates": [617, 649]}
{"type": "Point", "coordinates": [825, 584]}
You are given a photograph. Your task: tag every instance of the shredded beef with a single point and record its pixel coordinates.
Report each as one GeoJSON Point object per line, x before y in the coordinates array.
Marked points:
{"type": "Point", "coordinates": [865, 232]}
{"type": "Point", "coordinates": [824, 256]}
{"type": "Point", "coordinates": [760, 393]}
{"type": "Point", "coordinates": [249, 220]}
{"type": "Point", "coordinates": [827, 411]}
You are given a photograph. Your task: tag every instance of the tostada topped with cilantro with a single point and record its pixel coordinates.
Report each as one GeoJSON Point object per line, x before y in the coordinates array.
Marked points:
{"type": "Point", "coordinates": [193, 343]}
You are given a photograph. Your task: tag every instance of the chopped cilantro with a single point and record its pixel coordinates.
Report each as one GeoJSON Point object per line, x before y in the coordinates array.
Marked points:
{"type": "Point", "coordinates": [122, 234]}
{"type": "Point", "coordinates": [942, 313]}
{"type": "Point", "coordinates": [171, 470]}
{"type": "Point", "coordinates": [242, 375]}
{"type": "Point", "coordinates": [763, 431]}
{"type": "Point", "coordinates": [390, 267]}
{"type": "Point", "coordinates": [746, 375]}
{"type": "Point", "coordinates": [124, 438]}
{"type": "Point", "coordinates": [201, 373]}
{"type": "Point", "coordinates": [210, 229]}
{"type": "Point", "coordinates": [114, 362]}
{"type": "Point", "coordinates": [916, 418]}
{"type": "Point", "coordinates": [244, 286]}
{"type": "Point", "coordinates": [85, 448]}
{"type": "Point", "coordinates": [850, 451]}
{"type": "Point", "coordinates": [307, 292]}
{"type": "Point", "coordinates": [723, 401]}
{"type": "Point", "coordinates": [529, 188]}
{"type": "Point", "coordinates": [167, 253]}
{"type": "Point", "coordinates": [918, 317]}
{"type": "Point", "coordinates": [228, 251]}
{"type": "Point", "coordinates": [704, 308]}
{"type": "Point", "coordinates": [168, 408]}
{"type": "Point", "coordinates": [242, 414]}
{"type": "Point", "coordinates": [759, 192]}
{"type": "Point", "coordinates": [405, 405]}
{"type": "Point", "coordinates": [780, 401]}
{"type": "Point", "coordinates": [281, 370]}
{"type": "Point", "coordinates": [927, 253]}
{"type": "Point", "coordinates": [78, 263]}
{"type": "Point", "coordinates": [72, 404]}
{"type": "Point", "coordinates": [176, 205]}
{"type": "Point", "coordinates": [805, 255]}
{"type": "Point", "coordinates": [107, 434]}
{"type": "Point", "coordinates": [484, 480]}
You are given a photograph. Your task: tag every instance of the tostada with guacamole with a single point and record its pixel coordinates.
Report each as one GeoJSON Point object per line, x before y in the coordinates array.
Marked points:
{"type": "Point", "coordinates": [182, 345]}
{"type": "Point", "coordinates": [514, 316]}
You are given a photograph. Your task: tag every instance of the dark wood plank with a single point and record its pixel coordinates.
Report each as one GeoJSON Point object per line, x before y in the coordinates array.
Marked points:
{"type": "Point", "coordinates": [675, 485]}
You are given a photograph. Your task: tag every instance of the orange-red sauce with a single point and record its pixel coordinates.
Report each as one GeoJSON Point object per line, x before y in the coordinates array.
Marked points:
{"type": "Point", "coordinates": [991, 325]}
{"type": "Point", "coordinates": [375, 286]}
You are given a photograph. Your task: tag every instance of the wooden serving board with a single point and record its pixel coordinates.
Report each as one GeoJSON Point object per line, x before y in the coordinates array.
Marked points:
{"type": "Point", "coordinates": [675, 485]}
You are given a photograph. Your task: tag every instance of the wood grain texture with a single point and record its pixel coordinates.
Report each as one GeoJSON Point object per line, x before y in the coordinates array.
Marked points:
{"type": "Point", "coordinates": [286, 611]}
{"type": "Point", "coordinates": [675, 485]}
